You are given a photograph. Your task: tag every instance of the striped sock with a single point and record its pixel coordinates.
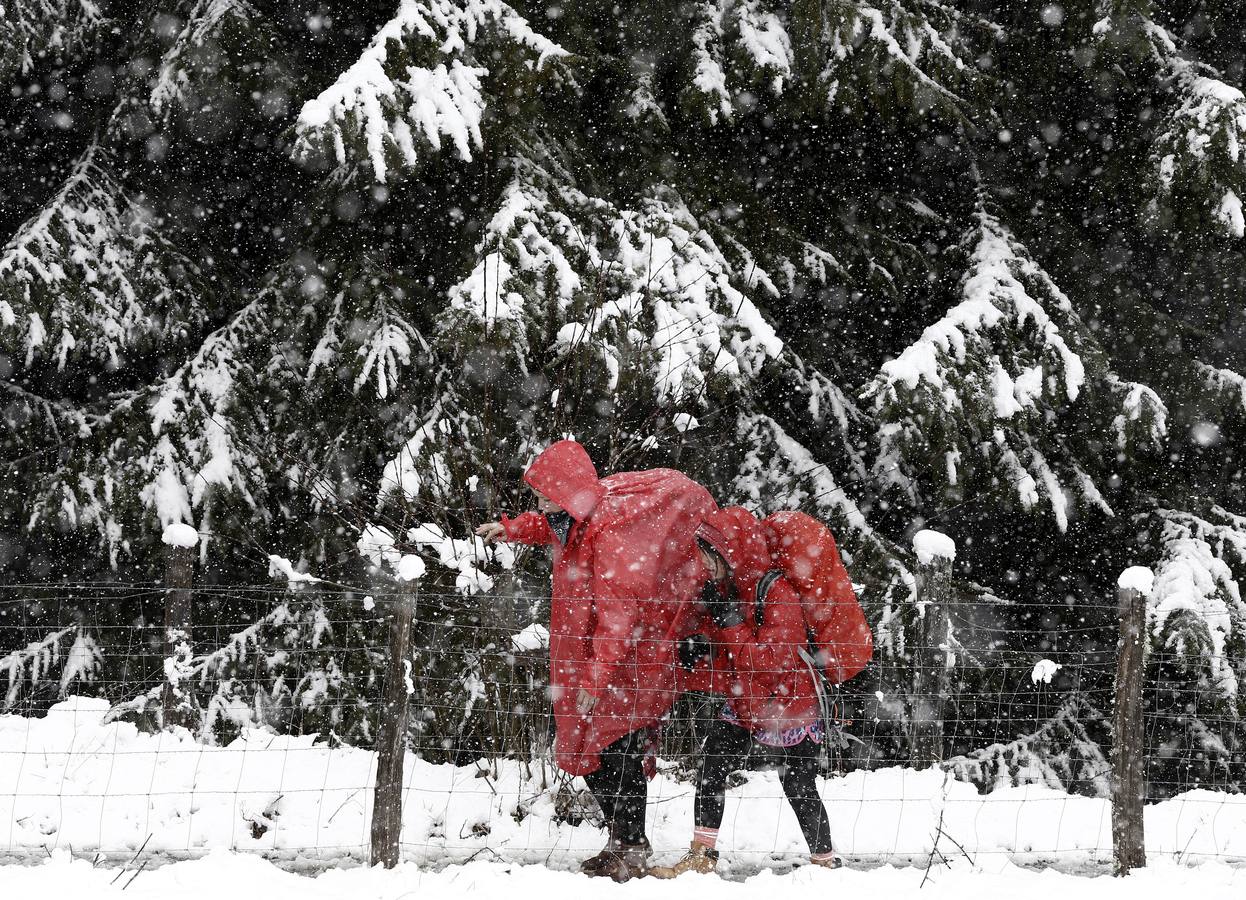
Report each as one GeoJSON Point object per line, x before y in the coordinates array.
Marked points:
{"type": "Point", "coordinates": [706, 837]}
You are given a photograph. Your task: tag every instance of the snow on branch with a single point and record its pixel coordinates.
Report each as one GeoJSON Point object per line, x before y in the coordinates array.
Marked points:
{"type": "Point", "coordinates": [1142, 420]}
{"type": "Point", "coordinates": [730, 36]}
{"type": "Point", "coordinates": [654, 262]}
{"type": "Point", "coordinates": [994, 376]}
{"type": "Point", "coordinates": [90, 273]}
{"type": "Point", "coordinates": [386, 340]}
{"type": "Point", "coordinates": [823, 413]}
{"type": "Point", "coordinates": [182, 440]}
{"type": "Point", "coordinates": [835, 49]}
{"type": "Point", "coordinates": [30, 29]}
{"type": "Point", "coordinates": [927, 48]}
{"type": "Point", "coordinates": [1197, 150]}
{"type": "Point", "coordinates": [35, 663]}
{"type": "Point", "coordinates": [420, 468]}
{"type": "Point", "coordinates": [207, 430]}
{"type": "Point", "coordinates": [1195, 608]}
{"type": "Point", "coordinates": [709, 77]}
{"type": "Point", "coordinates": [418, 83]}
{"type": "Point", "coordinates": [280, 567]}
{"type": "Point", "coordinates": [368, 327]}
{"type": "Point", "coordinates": [57, 412]}
{"type": "Point", "coordinates": [1060, 755]}
{"type": "Point", "coordinates": [994, 298]}
{"type": "Point", "coordinates": [215, 668]}
{"type": "Point", "coordinates": [218, 35]}
{"type": "Point", "coordinates": [1224, 383]}
{"type": "Point", "coordinates": [468, 557]}
{"type": "Point", "coordinates": [778, 473]}
{"type": "Point", "coordinates": [194, 443]}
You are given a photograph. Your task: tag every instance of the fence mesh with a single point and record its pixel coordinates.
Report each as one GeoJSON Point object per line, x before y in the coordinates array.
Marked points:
{"type": "Point", "coordinates": [280, 694]}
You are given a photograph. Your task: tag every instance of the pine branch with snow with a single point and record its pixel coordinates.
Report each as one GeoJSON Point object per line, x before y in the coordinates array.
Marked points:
{"type": "Point", "coordinates": [419, 85]}
{"type": "Point", "coordinates": [225, 49]}
{"type": "Point", "coordinates": [1199, 153]}
{"type": "Point", "coordinates": [911, 56]}
{"type": "Point", "coordinates": [998, 382]}
{"type": "Point", "coordinates": [1196, 614]}
{"type": "Point", "coordinates": [1197, 174]}
{"type": "Point", "coordinates": [32, 31]}
{"type": "Point", "coordinates": [1060, 755]}
{"type": "Point", "coordinates": [90, 274]}
{"type": "Point", "coordinates": [36, 665]}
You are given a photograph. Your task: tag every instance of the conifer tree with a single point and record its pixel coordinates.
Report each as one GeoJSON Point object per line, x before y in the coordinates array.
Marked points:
{"type": "Point", "coordinates": [280, 272]}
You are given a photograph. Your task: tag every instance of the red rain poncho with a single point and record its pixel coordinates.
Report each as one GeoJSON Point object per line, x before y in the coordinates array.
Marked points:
{"type": "Point", "coordinates": [772, 687]}
{"type": "Point", "coordinates": [623, 590]}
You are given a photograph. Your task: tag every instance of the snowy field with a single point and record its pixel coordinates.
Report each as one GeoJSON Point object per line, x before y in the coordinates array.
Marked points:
{"type": "Point", "coordinates": [247, 876]}
{"type": "Point", "coordinates": [106, 794]}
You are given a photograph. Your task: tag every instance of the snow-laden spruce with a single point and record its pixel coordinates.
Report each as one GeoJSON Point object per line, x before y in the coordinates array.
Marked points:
{"type": "Point", "coordinates": [834, 54]}
{"type": "Point", "coordinates": [1195, 608]}
{"type": "Point", "coordinates": [1197, 152]}
{"type": "Point", "coordinates": [903, 263]}
{"type": "Point", "coordinates": [91, 274]}
{"type": "Point", "coordinates": [993, 386]}
{"type": "Point", "coordinates": [656, 262]}
{"type": "Point", "coordinates": [399, 108]}
{"type": "Point", "coordinates": [69, 657]}
{"type": "Point", "coordinates": [31, 30]}
{"type": "Point", "coordinates": [219, 42]}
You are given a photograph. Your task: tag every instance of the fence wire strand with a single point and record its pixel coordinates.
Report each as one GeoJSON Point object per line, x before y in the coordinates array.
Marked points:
{"type": "Point", "coordinates": [283, 692]}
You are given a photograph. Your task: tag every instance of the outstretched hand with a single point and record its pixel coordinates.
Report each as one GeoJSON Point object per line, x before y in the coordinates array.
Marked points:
{"type": "Point", "coordinates": [584, 702]}
{"type": "Point", "coordinates": [491, 532]}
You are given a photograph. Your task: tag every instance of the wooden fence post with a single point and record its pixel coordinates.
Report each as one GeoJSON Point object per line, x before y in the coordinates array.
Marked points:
{"type": "Point", "coordinates": [391, 734]}
{"type": "Point", "coordinates": [1128, 756]}
{"type": "Point", "coordinates": [931, 657]}
{"type": "Point", "coordinates": [180, 541]}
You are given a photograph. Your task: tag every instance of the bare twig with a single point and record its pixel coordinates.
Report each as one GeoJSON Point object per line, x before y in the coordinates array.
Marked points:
{"type": "Point", "coordinates": [137, 873]}
{"type": "Point", "coordinates": [132, 858]}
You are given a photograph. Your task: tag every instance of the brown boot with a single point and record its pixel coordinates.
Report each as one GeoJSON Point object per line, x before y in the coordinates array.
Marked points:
{"type": "Point", "coordinates": [699, 858]}
{"type": "Point", "coordinates": [631, 861]}
{"type": "Point", "coordinates": [827, 862]}
{"type": "Point", "coordinates": [594, 865]}
{"type": "Point", "coordinates": [628, 862]}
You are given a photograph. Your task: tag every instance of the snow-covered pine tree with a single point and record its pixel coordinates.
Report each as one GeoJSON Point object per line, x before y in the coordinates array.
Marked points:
{"type": "Point", "coordinates": [893, 262]}
{"type": "Point", "coordinates": [35, 32]}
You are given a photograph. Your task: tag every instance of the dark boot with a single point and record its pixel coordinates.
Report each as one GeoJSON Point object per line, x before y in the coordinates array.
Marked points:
{"type": "Point", "coordinates": [594, 864]}
{"type": "Point", "coordinates": [627, 862]}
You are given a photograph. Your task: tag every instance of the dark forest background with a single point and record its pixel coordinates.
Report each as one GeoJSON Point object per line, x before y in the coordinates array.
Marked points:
{"type": "Point", "coordinates": [284, 271]}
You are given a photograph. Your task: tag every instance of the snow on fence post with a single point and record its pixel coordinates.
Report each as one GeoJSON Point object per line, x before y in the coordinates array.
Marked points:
{"type": "Point", "coordinates": [180, 541]}
{"type": "Point", "coordinates": [1128, 777]}
{"type": "Point", "coordinates": [932, 654]}
{"type": "Point", "coordinates": [392, 729]}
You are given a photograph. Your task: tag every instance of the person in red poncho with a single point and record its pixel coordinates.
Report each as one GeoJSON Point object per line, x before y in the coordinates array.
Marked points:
{"type": "Point", "coordinates": [773, 700]}
{"type": "Point", "coordinates": [626, 574]}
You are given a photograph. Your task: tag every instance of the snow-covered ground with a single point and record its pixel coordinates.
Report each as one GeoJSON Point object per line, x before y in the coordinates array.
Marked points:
{"type": "Point", "coordinates": [69, 783]}
{"type": "Point", "coordinates": [226, 873]}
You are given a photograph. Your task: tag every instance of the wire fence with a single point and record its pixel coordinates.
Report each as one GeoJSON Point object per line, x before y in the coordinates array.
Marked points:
{"type": "Point", "coordinates": [280, 696]}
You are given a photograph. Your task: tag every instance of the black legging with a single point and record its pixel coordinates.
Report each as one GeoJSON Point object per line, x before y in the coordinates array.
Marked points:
{"type": "Point", "coordinates": [727, 749]}
{"type": "Point", "coordinates": [619, 786]}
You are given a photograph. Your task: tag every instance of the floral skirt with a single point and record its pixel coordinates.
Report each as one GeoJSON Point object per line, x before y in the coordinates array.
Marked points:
{"type": "Point", "coordinates": [769, 737]}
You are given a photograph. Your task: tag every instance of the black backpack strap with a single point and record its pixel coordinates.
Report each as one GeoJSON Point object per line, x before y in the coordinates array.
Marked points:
{"type": "Point", "coordinates": [763, 588]}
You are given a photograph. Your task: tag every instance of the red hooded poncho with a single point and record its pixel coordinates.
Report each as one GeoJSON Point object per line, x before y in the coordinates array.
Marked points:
{"type": "Point", "coordinates": [772, 687]}
{"type": "Point", "coordinates": [622, 586]}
